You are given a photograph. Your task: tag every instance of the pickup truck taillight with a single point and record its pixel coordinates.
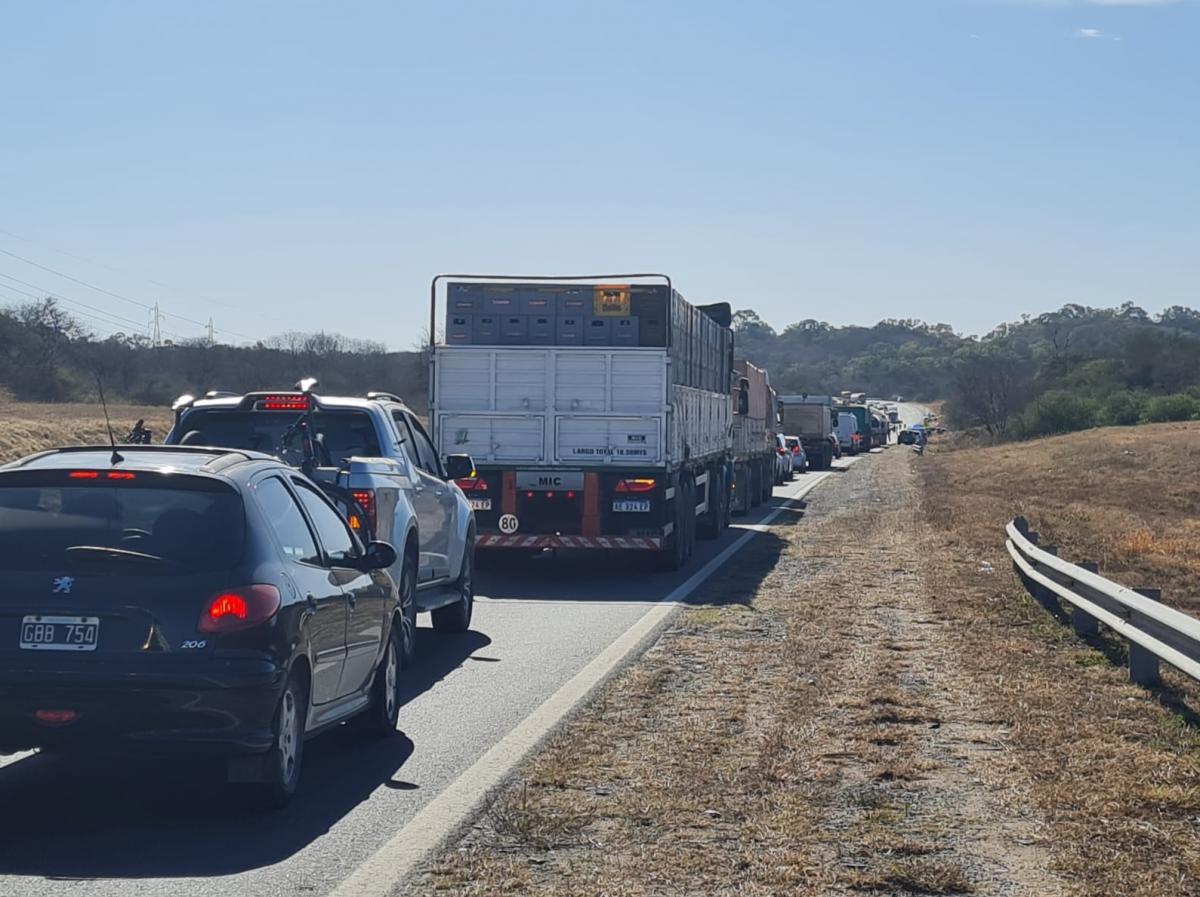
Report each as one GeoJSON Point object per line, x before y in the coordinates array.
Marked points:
{"type": "Point", "coordinates": [472, 484]}
{"type": "Point", "coordinates": [366, 501]}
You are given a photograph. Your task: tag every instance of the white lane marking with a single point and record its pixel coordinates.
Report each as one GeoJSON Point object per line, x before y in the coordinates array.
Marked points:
{"type": "Point", "coordinates": [439, 819]}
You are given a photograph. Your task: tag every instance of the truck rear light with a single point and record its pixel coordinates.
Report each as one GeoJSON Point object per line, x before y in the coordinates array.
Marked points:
{"type": "Point", "coordinates": [366, 501]}
{"type": "Point", "coordinates": [284, 403]}
{"type": "Point", "coordinates": [636, 485]}
{"type": "Point", "coordinates": [239, 608]}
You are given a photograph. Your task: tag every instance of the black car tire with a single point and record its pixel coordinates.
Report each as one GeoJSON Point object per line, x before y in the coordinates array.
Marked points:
{"type": "Point", "coordinates": [284, 760]}
{"type": "Point", "coordinates": [380, 718]}
{"type": "Point", "coordinates": [408, 615]}
{"type": "Point", "coordinates": [456, 617]}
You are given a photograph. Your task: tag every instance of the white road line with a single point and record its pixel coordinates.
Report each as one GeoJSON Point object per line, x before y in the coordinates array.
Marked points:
{"type": "Point", "coordinates": [439, 819]}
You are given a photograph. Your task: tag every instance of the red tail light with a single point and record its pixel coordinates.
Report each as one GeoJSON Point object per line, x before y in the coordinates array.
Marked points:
{"type": "Point", "coordinates": [795, 450]}
{"type": "Point", "coordinates": [55, 717]}
{"type": "Point", "coordinates": [240, 608]}
{"type": "Point", "coordinates": [472, 484]}
{"type": "Point", "coordinates": [121, 475]}
{"type": "Point", "coordinates": [781, 451]}
{"type": "Point", "coordinates": [84, 474]}
{"type": "Point", "coordinates": [636, 485]}
{"type": "Point", "coordinates": [366, 501]}
{"type": "Point", "coordinates": [284, 403]}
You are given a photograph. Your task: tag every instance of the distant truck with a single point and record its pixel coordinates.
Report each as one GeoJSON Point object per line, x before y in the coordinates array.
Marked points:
{"type": "Point", "coordinates": [599, 414]}
{"type": "Point", "coordinates": [811, 418]}
{"type": "Point", "coordinates": [755, 417]}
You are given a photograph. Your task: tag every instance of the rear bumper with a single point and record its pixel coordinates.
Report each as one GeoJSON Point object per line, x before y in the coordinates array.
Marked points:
{"type": "Point", "coordinates": [609, 543]}
{"type": "Point", "coordinates": [228, 712]}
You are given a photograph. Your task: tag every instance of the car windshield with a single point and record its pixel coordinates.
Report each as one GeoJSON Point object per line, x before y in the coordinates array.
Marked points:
{"type": "Point", "coordinates": [340, 434]}
{"type": "Point", "coordinates": [188, 528]}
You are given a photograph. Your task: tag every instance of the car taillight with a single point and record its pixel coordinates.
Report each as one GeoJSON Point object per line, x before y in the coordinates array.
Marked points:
{"type": "Point", "coordinates": [781, 451]}
{"type": "Point", "coordinates": [472, 484]}
{"type": "Point", "coordinates": [95, 475]}
{"type": "Point", "coordinates": [240, 608]}
{"type": "Point", "coordinates": [366, 501]}
{"type": "Point", "coordinates": [636, 485]}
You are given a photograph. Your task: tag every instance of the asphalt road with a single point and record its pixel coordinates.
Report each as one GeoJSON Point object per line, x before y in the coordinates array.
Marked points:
{"type": "Point", "coordinates": [99, 826]}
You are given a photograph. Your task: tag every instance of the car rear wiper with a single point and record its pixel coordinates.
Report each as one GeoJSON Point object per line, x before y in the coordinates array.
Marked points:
{"type": "Point", "coordinates": [93, 553]}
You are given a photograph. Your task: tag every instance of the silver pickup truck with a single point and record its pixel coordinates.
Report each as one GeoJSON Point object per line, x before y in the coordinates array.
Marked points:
{"type": "Point", "coordinates": [374, 454]}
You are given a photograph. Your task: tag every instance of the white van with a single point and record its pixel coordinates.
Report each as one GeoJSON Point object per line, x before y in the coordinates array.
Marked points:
{"type": "Point", "coordinates": [848, 435]}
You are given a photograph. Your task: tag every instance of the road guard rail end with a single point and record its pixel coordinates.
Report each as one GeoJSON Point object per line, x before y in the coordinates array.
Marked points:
{"type": "Point", "coordinates": [1153, 631]}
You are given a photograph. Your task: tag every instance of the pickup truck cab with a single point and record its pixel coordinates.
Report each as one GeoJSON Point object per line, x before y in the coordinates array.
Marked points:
{"type": "Point", "coordinates": [375, 459]}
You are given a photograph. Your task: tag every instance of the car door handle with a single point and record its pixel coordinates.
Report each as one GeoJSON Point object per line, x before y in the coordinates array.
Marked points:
{"type": "Point", "coordinates": [312, 600]}
{"type": "Point", "coordinates": [439, 492]}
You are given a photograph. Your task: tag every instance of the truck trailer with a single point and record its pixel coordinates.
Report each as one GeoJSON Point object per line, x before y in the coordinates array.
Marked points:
{"type": "Point", "coordinates": [599, 414]}
{"type": "Point", "coordinates": [811, 418]}
{"type": "Point", "coordinates": [755, 423]}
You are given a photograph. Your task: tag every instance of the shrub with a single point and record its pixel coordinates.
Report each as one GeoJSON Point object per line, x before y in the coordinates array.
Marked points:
{"type": "Point", "coordinates": [1174, 407]}
{"type": "Point", "coordinates": [1123, 409]}
{"type": "Point", "coordinates": [1057, 412]}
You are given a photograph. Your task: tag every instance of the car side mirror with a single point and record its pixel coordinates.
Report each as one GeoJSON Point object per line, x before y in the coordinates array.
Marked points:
{"type": "Point", "coordinates": [459, 467]}
{"type": "Point", "coordinates": [378, 556]}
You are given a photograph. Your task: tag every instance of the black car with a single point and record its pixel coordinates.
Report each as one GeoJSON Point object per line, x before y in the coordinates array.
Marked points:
{"type": "Point", "coordinates": [176, 600]}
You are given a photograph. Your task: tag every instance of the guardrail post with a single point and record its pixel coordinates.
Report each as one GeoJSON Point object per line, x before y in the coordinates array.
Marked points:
{"type": "Point", "coordinates": [1046, 598]}
{"type": "Point", "coordinates": [1143, 666]}
{"type": "Point", "coordinates": [1085, 624]}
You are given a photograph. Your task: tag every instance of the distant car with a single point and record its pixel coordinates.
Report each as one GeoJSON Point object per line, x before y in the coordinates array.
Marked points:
{"type": "Point", "coordinates": [783, 460]}
{"type": "Point", "coordinates": [798, 455]}
{"type": "Point", "coordinates": [188, 601]}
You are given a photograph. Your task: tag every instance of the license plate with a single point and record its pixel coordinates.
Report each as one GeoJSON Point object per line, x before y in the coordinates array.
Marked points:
{"type": "Point", "coordinates": [40, 633]}
{"type": "Point", "coordinates": [481, 504]}
{"type": "Point", "coordinates": [630, 504]}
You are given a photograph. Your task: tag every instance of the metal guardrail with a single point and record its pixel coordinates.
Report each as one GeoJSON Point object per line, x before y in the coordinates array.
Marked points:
{"type": "Point", "coordinates": [1154, 632]}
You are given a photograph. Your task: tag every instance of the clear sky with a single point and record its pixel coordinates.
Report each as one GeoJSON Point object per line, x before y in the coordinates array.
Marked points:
{"type": "Point", "coordinates": [303, 165]}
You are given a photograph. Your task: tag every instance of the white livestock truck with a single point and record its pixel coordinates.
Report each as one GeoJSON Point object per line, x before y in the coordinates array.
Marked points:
{"type": "Point", "coordinates": [598, 414]}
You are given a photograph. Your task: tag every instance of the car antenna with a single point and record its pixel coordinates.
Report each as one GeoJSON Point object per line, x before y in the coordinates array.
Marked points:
{"type": "Point", "coordinates": [116, 456]}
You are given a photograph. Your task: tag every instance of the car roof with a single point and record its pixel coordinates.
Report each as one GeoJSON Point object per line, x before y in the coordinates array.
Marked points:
{"type": "Point", "coordinates": [164, 458]}
{"type": "Point", "coordinates": [324, 403]}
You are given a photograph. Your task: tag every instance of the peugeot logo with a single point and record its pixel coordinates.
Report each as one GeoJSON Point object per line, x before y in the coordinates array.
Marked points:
{"type": "Point", "coordinates": [63, 585]}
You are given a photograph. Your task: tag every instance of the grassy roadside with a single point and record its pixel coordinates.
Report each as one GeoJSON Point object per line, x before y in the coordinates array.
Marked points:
{"type": "Point", "coordinates": [28, 427]}
{"type": "Point", "coordinates": [808, 730]}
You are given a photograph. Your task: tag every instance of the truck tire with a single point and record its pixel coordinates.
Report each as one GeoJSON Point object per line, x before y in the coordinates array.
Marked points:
{"type": "Point", "coordinates": [674, 553]}
{"type": "Point", "coordinates": [768, 479]}
{"type": "Point", "coordinates": [741, 489]}
{"type": "Point", "coordinates": [756, 489]}
{"type": "Point", "coordinates": [713, 523]}
{"type": "Point", "coordinates": [689, 518]}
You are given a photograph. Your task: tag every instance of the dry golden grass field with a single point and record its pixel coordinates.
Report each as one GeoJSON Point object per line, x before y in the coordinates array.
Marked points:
{"type": "Point", "coordinates": [1127, 498]}
{"type": "Point", "coordinates": [28, 427]}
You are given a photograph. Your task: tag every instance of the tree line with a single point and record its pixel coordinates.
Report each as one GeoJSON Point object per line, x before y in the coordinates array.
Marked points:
{"type": "Point", "coordinates": [1069, 369]}
{"type": "Point", "coordinates": [48, 355]}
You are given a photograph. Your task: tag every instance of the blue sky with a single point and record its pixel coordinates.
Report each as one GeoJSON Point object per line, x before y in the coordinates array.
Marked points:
{"type": "Point", "coordinates": [311, 165]}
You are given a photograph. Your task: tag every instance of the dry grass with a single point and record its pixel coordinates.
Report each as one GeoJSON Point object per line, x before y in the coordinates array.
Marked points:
{"type": "Point", "coordinates": [1127, 498]}
{"type": "Point", "coordinates": [1114, 772]}
{"type": "Point", "coordinates": [27, 427]}
{"type": "Point", "coordinates": [803, 735]}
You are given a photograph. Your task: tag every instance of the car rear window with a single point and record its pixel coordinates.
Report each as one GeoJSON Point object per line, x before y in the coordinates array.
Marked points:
{"type": "Point", "coordinates": [344, 434]}
{"type": "Point", "coordinates": [193, 523]}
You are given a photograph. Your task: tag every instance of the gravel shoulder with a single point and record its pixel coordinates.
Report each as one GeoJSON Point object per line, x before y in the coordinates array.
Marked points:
{"type": "Point", "coordinates": [809, 727]}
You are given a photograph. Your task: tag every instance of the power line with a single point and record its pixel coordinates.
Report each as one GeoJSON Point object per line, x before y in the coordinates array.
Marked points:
{"type": "Point", "coordinates": [92, 286]}
{"type": "Point", "coordinates": [142, 326]}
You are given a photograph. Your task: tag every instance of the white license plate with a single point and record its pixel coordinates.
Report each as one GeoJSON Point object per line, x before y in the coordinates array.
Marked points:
{"type": "Point", "coordinates": [481, 504]}
{"type": "Point", "coordinates": [630, 504]}
{"type": "Point", "coordinates": [40, 633]}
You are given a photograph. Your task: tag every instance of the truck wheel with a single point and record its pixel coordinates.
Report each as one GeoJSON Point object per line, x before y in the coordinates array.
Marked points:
{"type": "Point", "coordinates": [768, 484]}
{"type": "Point", "coordinates": [456, 617]}
{"type": "Point", "coordinates": [718, 499]}
{"type": "Point", "coordinates": [756, 488]}
{"type": "Point", "coordinates": [741, 490]}
{"type": "Point", "coordinates": [689, 519]}
{"type": "Point", "coordinates": [674, 553]}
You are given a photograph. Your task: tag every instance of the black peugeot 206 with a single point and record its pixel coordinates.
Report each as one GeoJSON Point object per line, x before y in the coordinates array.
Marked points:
{"type": "Point", "coordinates": [188, 600]}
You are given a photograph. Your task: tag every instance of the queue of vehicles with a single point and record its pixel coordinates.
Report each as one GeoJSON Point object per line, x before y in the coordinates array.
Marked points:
{"type": "Point", "coordinates": [256, 579]}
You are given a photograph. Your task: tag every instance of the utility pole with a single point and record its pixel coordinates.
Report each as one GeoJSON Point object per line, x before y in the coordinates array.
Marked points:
{"type": "Point", "coordinates": [211, 340]}
{"type": "Point", "coordinates": [155, 327]}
